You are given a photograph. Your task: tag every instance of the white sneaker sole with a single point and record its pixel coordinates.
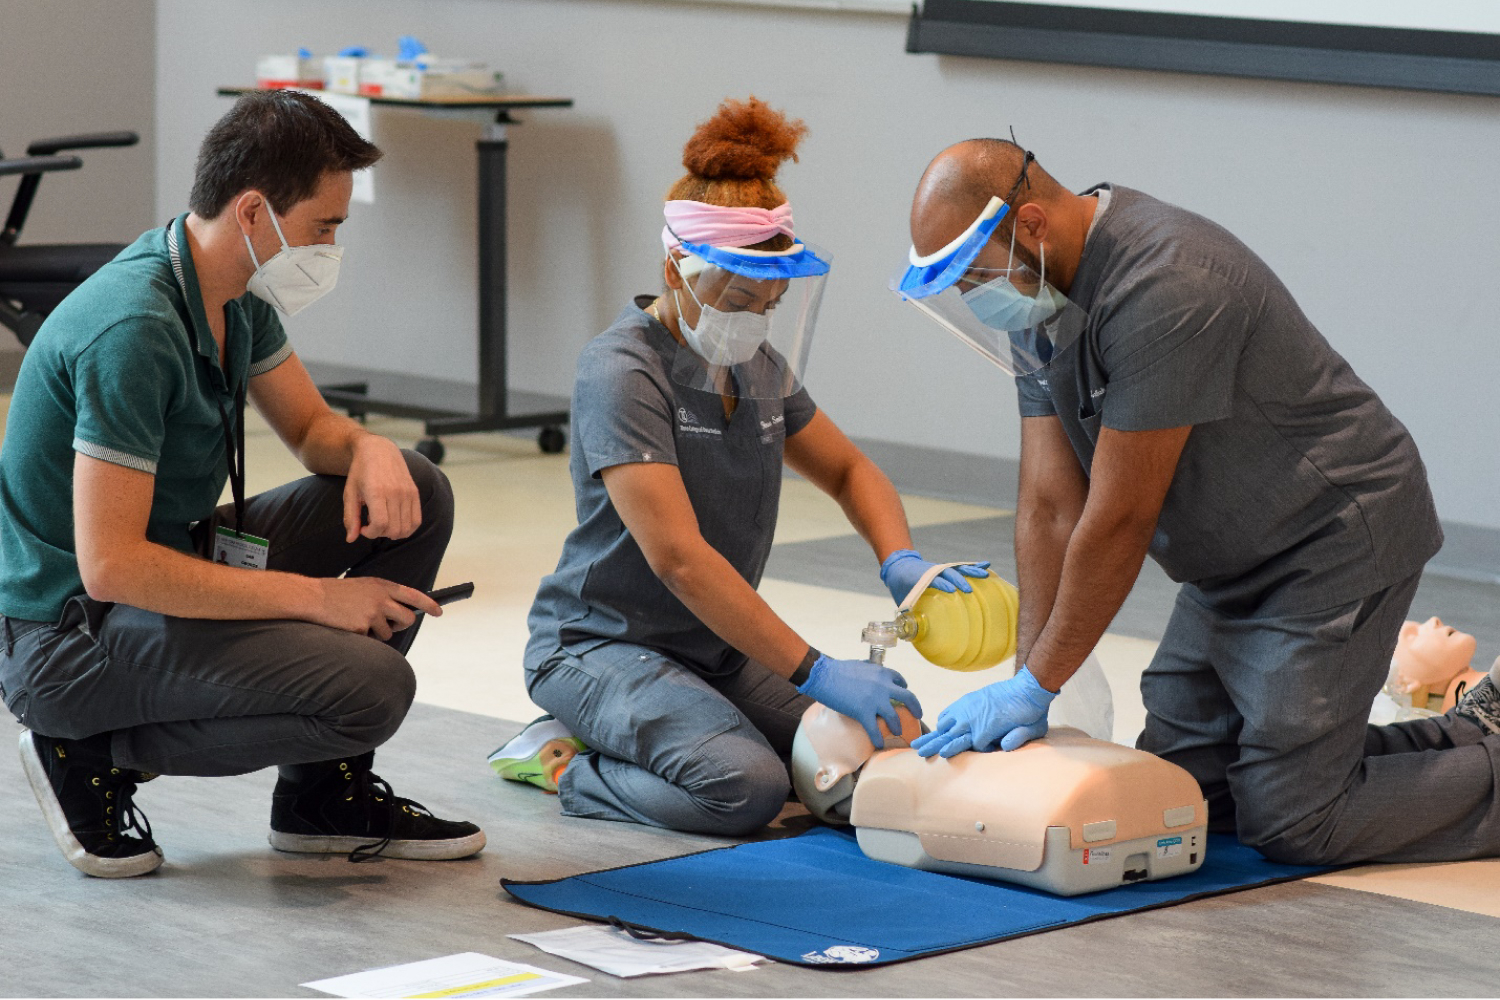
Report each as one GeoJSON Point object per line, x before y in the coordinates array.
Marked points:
{"type": "Point", "coordinates": [529, 741]}
{"type": "Point", "coordinates": [57, 822]}
{"type": "Point", "coordinates": [411, 850]}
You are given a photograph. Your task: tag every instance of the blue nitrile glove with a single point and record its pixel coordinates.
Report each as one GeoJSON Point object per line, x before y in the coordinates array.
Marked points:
{"type": "Point", "coordinates": [1007, 714]}
{"type": "Point", "coordinates": [904, 567]}
{"type": "Point", "coordinates": [862, 690]}
{"type": "Point", "coordinates": [408, 48]}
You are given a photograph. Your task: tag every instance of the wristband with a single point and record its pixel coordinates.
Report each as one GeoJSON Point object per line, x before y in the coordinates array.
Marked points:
{"type": "Point", "coordinates": [804, 669]}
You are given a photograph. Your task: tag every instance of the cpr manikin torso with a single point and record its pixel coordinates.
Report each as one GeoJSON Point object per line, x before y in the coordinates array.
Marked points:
{"type": "Point", "coordinates": [1066, 813]}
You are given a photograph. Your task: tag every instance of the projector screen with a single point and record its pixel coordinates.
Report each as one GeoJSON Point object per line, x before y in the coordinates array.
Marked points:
{"type": "Point", "coordinates": [1442, 45]}
{"type": "Point", "coordinates": [1436, 15]}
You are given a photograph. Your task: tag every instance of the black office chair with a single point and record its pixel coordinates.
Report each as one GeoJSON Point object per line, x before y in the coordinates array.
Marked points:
{"type": "Point", "coordinates": [36, 277]}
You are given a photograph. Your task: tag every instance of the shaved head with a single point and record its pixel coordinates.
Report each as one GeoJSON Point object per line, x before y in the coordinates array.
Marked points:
{"type": "Point", "coordinates": [961, 180]}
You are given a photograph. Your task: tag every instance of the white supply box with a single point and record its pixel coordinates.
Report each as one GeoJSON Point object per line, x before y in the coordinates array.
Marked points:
{"type": "Point", "coordinates": [341, 74]}
{"type": "Point", "coordinates": [293, 70]}
{"type": "Point", "coordinates": [426, 78]}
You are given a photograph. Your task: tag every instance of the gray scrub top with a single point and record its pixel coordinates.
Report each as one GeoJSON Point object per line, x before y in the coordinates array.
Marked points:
{"type": "Point", "coordinates": [627, 409]}
{"type": "Point", "coordinates": [1297, 489]}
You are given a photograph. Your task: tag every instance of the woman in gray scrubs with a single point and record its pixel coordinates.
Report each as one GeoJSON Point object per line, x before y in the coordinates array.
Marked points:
{"type": "Point", "coordinates": [674, 689]}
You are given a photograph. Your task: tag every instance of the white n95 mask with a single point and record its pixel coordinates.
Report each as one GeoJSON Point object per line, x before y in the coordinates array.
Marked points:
{"type": "Point", "coordinates": [756, 311]}
{"type": "Point", "coordinates": [297, 276]}
{"type": "Point", "coordinates": [725, 338]}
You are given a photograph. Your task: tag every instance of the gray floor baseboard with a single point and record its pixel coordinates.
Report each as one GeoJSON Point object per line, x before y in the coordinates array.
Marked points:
{"type": "Point", "coordinates": [1469, 552]}
{"type": "Point", "coordinates": [946, 475]}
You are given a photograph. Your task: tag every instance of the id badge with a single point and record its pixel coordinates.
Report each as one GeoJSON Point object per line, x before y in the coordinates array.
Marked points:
{"type": "Point", "coordinates": [244, 551]}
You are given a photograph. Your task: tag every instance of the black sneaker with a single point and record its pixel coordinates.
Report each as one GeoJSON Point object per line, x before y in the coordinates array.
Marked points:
{"type": "Point", "coordinates": [338, 807]}
{"type": "Point", "coordinates": [89, 806]}
{"type": "Point", "coordinates": [1481, 703]}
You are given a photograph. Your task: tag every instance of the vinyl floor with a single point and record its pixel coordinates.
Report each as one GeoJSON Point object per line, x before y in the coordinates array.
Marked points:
{"type": "Point", "coordinates": [227, 916]}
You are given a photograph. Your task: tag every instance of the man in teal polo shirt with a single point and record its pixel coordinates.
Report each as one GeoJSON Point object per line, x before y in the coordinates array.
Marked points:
{"type": "Point", "coordinates": [144, 632]}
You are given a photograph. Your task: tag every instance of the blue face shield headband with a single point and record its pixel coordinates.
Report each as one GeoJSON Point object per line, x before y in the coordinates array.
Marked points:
{"type": "Point", "coordinates": [931, 274]}
{"type": "Point", "coordinates": [746, 317]}
{"type": "Point", "coordinates": [801, 261]}
{"type": "Point", "coordinates": [1010, 315]}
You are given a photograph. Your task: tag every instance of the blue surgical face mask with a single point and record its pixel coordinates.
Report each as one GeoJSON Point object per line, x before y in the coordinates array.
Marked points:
{"type": "Point", "coordinates": [1000, 305]}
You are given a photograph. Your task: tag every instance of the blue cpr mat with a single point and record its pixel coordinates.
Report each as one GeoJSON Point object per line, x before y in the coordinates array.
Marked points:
{"type": "Point", "coordinates": [817, 900]}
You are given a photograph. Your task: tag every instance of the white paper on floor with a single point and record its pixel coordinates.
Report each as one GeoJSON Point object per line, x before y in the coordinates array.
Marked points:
{"type": "Point", "coordinates": [467, 975]}
{"type": "Point", "coordinates": [617, 953]}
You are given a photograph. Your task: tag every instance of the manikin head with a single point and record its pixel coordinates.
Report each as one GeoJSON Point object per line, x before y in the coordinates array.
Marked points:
{"type": "Point", "coordinates": [1430, 654]}
{"type": "Point", "coordinates": [828, 752]}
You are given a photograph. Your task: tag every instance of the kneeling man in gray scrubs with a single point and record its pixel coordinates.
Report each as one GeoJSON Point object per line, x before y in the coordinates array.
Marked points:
{"type": "Point", "coordinates": [1175, 401]}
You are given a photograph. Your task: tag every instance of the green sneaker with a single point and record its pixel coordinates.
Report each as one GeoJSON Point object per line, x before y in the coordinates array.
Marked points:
{"type": "Point", "coordinates": [537, 754]}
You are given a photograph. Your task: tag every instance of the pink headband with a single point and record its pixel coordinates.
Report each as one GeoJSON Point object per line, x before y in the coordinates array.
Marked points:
{"type": "Point", "coordinates": [718, 226]}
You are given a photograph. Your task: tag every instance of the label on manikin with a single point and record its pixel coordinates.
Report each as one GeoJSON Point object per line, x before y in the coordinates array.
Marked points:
{"type": "Point", "coordinates": [1096, 855]}
{"type": "Point", "coordinates": [1169, 847]}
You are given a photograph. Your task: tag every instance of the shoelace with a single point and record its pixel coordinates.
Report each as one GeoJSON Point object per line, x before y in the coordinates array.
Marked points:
{"type": "Point", "coordinates": [130, 817]}
{"type": "Point", "coordinates": [366, 787]}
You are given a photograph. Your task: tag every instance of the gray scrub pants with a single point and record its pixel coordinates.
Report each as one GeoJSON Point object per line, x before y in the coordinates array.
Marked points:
{"type": "Point", "coordinates": [671, 747]}
{"type": "Point", "coordinates": [206, 697]}
{"type": "Point", "coordinates": [1270, 714]}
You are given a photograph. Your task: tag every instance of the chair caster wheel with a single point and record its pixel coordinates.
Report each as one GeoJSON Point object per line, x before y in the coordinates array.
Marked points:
{"type": "Point", "coordinates": [431, 449]}
{"type": "Point", "coordinates": [551, 440]}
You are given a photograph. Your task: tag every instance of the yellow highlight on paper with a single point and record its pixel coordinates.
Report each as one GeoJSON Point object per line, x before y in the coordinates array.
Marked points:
{"type": "Point", "coordinates": [471, 987]}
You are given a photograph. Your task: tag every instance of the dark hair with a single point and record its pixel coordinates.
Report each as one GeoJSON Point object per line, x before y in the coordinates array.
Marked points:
{"type": "Point", "coordinates": [278, 142]}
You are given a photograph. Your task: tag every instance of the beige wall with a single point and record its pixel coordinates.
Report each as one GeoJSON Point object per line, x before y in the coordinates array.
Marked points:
{"type": "Point", "coordinates": [71, 66]}
{"type": "Point", "coordinates": [1373, 205]}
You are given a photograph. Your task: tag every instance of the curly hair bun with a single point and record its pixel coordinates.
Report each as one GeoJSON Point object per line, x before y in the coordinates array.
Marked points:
{"type": "Point", "coordinates": [744, 140]}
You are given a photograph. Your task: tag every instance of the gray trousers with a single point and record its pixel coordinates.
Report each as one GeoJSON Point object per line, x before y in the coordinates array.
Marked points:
{"type": "Point", "coordinates": [206, 697]}
{"type": "Point", "coordinates": [671, 748]}
{"type": "Point", "coordinates": [1270, 714]}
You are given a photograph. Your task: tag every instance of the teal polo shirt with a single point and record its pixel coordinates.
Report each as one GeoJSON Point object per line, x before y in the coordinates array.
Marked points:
{"type": "Point", "coordinates": [126, 371]}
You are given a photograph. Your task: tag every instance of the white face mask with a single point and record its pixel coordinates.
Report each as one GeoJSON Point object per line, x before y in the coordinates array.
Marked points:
{"type": "Point", "coordinates": [297, 276]}
{"type": "Point", "coordinates": [723, 338]}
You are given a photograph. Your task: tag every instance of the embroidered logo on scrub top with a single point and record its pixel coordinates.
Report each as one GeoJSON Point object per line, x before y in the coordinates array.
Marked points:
{"type": "Point", "coordinates": [773, 429]}
{"type": "Point", "coordinates": [687, 421]}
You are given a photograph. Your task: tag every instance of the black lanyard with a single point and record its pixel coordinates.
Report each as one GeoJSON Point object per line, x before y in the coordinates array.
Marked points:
{"type": "Point", "coordinates": [234, 440]}
{"type": "Point", "coordinates": [234, 457]}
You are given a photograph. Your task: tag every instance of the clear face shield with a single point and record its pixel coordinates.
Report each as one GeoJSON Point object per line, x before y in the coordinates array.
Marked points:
{"type": "Point", "coordinates": [1010, 314]}
{"type": "Point", "coordinates": [747, 318]}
